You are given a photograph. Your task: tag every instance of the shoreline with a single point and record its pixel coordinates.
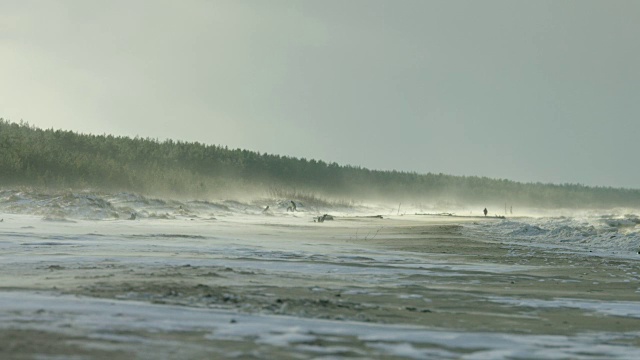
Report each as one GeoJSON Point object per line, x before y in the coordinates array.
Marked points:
{"type": "Point", "coordinates": [397, 271]}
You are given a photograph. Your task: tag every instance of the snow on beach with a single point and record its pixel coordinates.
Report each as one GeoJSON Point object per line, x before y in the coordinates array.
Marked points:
{"type": "Point", "coordinates": [226, 279]}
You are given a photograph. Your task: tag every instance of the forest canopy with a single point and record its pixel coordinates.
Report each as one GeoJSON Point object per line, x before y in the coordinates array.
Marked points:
{"type": "Point", "coordinates": [50, 158]}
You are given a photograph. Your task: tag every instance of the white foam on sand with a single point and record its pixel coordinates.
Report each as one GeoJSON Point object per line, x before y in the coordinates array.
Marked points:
{"type": "Point", "coordinates": [612, 308]}
{"type": "Point", "coordinates": [113, 319]}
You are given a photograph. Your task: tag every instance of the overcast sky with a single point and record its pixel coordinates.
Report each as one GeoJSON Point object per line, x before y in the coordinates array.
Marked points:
{"type": "Point", "coordinates": [525, 90]}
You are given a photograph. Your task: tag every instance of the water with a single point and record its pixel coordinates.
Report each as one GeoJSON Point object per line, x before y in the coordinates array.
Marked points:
{"type": "Point", "coordinates": [101, 206]}
{"type": "Point", "coordinates": [88, 205]}
{"type": "Point", "coordinates": [616, 234]}
{"type": "Point", "coordinates": [256, 284]}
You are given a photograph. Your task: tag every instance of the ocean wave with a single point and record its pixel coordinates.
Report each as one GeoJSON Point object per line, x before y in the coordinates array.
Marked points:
{"type": "Point", "coordinates": [58, 205]}
{"type": "Point", "coordinates": [617, 234]}
{"type": "Point", "coordinates": [89, 205]}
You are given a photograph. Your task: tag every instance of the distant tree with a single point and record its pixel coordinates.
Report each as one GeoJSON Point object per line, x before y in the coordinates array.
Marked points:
{"type": "Point", "coordinates": [30, 156]}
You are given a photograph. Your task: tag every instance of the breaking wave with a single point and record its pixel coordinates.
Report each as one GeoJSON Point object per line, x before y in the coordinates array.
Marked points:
{"type": "Point", "coordinates": [99, 206]}
{"type": "Point", "coordinates": [613, 234]}
{"type": "Point", "coordinates": [87, 205]}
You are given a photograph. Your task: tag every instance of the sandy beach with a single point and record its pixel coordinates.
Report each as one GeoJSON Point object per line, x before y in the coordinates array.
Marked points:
{"type": "Point", "coordinates": [288, 287]}
{"type": "Point", "coordinates": [319, 180]}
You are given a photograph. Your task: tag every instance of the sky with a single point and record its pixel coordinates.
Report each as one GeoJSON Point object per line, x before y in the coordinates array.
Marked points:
{"type": "Point", "coordinates": [532, 91]}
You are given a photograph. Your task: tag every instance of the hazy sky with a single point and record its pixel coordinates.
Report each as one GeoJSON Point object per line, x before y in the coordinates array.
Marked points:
{"type": "Point", "coordinates": [525, 90]}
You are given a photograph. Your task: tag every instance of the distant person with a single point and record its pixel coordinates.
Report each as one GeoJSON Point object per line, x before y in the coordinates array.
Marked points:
{"type": "Point", "coordinates": [266, 209]}
{"type": "Point", "coordinates": [292, 207]}
{"type": "Point", "coordinates": [485, 211]}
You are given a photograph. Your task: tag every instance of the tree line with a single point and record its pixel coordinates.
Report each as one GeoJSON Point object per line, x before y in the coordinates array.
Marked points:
{"type": "Point", "coordinates": [34, 157]}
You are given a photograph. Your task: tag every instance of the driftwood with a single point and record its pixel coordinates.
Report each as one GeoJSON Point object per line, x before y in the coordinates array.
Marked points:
{"type": "Point", "coordinates": [352, 218]}
{"type": "Point", "coordinates": [324, 217]}
{"type": "Point", "coordinates": [439, 214]}
{"type": "Point", "coordinates": [464, 216]}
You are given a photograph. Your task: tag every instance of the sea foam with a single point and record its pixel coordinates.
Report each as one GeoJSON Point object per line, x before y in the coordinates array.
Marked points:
{"type": "Point", "coordinates": [607, 234]}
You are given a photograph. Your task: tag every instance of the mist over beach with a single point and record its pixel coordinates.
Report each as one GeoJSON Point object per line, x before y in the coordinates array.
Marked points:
{"type": "Point", "coordinates": [319, 180]}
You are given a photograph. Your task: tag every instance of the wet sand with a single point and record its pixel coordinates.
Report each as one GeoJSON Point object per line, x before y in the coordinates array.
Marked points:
{"type": "Point", "coordinates": [405, 287]}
